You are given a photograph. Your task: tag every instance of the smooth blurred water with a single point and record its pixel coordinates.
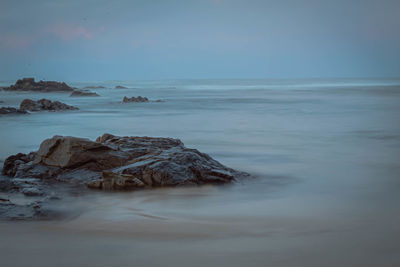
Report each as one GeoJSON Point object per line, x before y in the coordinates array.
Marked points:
{"type": "Point", "coordinates": [325, 154]}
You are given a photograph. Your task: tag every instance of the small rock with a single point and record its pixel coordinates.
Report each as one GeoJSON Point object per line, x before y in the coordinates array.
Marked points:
{"type": "Point", "coordinates": [135, 99]}
{"type": "Point", "coordinates": [44, 104]}
{"type": "Point", "coordinates": [11, 110]}
{"type": "Point", "coordinates": [83, 93]}
{"type": "Point", "coordinates": [32, 191]}
{"type": "Point", "coordinates": [120, 87]}
{"type": "Point", "coordinates": [4, 200]}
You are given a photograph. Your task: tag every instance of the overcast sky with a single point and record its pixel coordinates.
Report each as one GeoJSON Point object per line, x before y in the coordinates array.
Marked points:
{"type": "Point", "coordinates": [88, 40]}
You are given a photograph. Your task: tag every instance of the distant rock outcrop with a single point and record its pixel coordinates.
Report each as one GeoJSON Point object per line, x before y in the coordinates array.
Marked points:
{"type": "Point", "coordinates": [83, 93]}
{"type": "Point", "coordinates": [120, 87]}
{"type": "Point", "coordinates": [29, 84]}
{"type": "Point", "coordinates": [44, 104]}
{"type": "Point", "coordinates": [11, 110]}
{"type": "Point", "coordinates": [135, 99]}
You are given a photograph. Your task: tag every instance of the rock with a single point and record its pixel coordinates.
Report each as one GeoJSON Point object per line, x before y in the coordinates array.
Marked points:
{"type": "Point", "coordinates": [44, 104]}
{"type": "Point", "coordinates": [32, 191]}
{"type": "Point", "coordinates": [135, 99]}
{"type": "Point", "coordinates": [11, 110]}
{"type": "Point", "coordinates": [120, 87]}
{"type": "Point", "coordinates": [29, 84]}
{"type": "Point", "coordinates": [1, 101]}
{"type": "Point", "coordinates": [83, 93]}
{"type": "Point", "coordinates": [4, 200]}
{"type": "Point", "coordinates": [93, 87]}
{"type": "Point", "coordinates": [12, 163]}
{"type": "Point", "coordinates": [119, 163]}
{"type": "Point", "coordinates": [25, 212]}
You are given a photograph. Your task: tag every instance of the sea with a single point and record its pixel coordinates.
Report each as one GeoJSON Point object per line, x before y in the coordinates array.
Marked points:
{"type": "Point", "coordinates": [323, 154]}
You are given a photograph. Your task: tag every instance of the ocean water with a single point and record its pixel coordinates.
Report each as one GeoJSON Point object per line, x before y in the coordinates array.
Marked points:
{"type": "Point", "coordinates": [324, 155]}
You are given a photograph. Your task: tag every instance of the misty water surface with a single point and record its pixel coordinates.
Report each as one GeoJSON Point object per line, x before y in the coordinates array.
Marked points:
{"type": "Point", "coordinates": [324, 155]}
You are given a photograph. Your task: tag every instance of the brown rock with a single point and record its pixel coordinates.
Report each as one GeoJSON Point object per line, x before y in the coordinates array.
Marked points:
{"type": "Point", "coordinates": [120, 163]}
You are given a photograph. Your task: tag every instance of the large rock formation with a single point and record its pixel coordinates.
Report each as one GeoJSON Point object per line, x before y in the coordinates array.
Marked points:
{"type": "Point", "coordinates": [29, 84]}
{"type": "Point", "coordinates": [11, 110]}
{"type": "Point", "coordinates": [44, 104]}
{"type": "Point", "coordinates": [83, 92]}
{"type": "Point", "coordinates": [119, 163]}
{"type": "Point", "coordinates": [135, 99]}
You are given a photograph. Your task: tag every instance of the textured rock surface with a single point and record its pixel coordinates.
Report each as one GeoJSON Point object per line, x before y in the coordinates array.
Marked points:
{"type": "Point", "coordinates": [66, 166]}
{"type": "Point", "coordinates": [11, 110]}
{"type": "Point", "coordinates": [29, 84]}
{"type": "Point", "coordinates": [44, 104]}
{"type": "Point", "coordinates": [135, 99]}
{"type": "Point", "coordinates": [83, 93]}
{"type": "Point", "coordinates": [114, 162]}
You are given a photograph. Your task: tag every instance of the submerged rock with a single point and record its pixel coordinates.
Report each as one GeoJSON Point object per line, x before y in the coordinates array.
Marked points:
{"type": "Point", "coordinates": [11, 110]}
{"type": "Point", "coordinates": [44, 104]}
{"type": "Point", "coordinates": [120, 87]}
{"type": "Point", "coordinates": [30, 208]}
{"type": "Point", "coordinates": [135, 99]}
{"type": "Point", "coordinates": [29, 84]}
{"type": "Point", "coordinates": [119, 163]}
{"type": "Point", "coordinates": [83, 93]}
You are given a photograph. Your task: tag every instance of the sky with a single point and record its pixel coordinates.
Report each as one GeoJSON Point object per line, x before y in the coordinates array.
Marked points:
{"type": "Point", "coordinates": [88, 40]}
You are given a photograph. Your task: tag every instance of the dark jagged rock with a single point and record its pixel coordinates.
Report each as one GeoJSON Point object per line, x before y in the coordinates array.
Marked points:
{"type": "Point", "coordinates": [83, 93]}
{"type": "Point", "coordinates": [66, 166]}
{"type": "Point", "coordinates": [120, 87]}
{"type": "Point", "coordinates": [11, 110]}
{"type": "Point", "coordinates": [119, 163]}
{"type": "Point", "coordinates": [135, 99]}
{"type": "Point", "coordinates": [44, 104]}
{"type": "Point", "coordinates": [93, 87]}
{"type": "Point", "coordinates": [29, 84]}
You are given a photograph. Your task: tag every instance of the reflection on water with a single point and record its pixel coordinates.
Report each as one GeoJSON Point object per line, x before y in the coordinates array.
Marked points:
{"type": "Point", "coordinates": [324, 155]}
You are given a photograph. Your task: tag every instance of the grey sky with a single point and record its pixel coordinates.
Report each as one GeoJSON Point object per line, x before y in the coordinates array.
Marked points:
{"type": "Point", "coordinates": [102, 40]}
